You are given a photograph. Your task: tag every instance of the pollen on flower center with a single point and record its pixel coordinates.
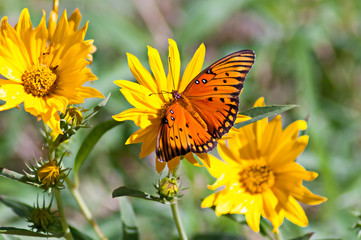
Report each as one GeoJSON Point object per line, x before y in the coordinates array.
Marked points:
{"type": "Point", "coordinates": [39, 80]}
{"type": "Point", "coordinates": [257, 178]}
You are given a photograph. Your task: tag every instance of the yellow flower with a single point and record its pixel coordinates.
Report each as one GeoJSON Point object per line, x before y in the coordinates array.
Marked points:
{"type": "Point", "coordinates": [149, 96]}
{"type": "Point", "coordinates": [49, 174]}
{"type": "Point", "coordinates": [260, 176]}
{"type": "Point", "coordinates": [45, 68]}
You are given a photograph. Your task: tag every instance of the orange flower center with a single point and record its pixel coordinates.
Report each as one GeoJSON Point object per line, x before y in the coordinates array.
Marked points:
{"type": "Point", "coordinates": [257, 178]}
{"type": "Point", "coordinates": [39, 80]}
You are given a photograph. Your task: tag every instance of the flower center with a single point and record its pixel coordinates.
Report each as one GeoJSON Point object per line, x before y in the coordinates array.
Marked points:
{"type": "Point", "coordinates": [49, 174]}
{"type": "Point", "coordinates": [39, 80]}
{"type": "Point", "coordinates": [257, 178]}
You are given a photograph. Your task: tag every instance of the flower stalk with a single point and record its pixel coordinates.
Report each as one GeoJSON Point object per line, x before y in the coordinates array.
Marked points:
{"type": "Point", "coordinates": [177, 220]}
{"type": "Point", "coordinates": [64, 223]}
{"type": "Point", "coordinates": [84, 208]}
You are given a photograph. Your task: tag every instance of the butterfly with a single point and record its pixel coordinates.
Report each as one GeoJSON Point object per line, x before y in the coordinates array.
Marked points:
{"type": "Point", "coordinates": [205, 110]}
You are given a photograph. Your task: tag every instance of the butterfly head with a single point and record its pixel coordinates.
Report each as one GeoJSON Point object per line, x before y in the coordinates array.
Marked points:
{"type": "Point", "coordinates": [176, 95]}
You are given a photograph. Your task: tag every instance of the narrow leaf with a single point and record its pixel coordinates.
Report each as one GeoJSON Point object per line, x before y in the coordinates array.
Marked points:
{"type": "Point", "coordinates": [97, 108]}
{"type": "Point", "coordinates": [21, 209]}
{"type": "Point", "coordinates": [258, 113]}
{"type": "Point", "coordinates": [24, 232]}
{"type": "Point", "coordinates": [90, 141]}
{"type": "Point", "coordinates": [78, 235]}
{"type": "Point", "coordinates": [12, 175]}
{"type": "Point", "coordinates": [125, 191]}
{"type": "Point", "coordinates": [304, 237]}
{"type": "Point", "coordinates": [129, 223]}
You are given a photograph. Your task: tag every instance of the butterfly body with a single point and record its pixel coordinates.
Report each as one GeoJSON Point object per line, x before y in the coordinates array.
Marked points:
{"type": "Point", "coordinates": [205, 110]}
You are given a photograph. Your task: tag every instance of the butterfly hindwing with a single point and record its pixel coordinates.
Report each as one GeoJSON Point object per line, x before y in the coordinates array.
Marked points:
{"type": "Point", "coordinates": [180, 133]}
{"type": "Point", "coordinates": [214, 92]}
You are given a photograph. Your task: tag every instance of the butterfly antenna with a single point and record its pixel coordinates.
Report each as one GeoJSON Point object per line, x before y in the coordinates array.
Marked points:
{"type": "Point", "coordinates": [171, 72]}
{"type": "Point", "coordinates": [162, 92]}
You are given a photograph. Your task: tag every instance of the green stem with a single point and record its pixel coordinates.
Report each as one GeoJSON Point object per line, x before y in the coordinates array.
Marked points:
{"type": "Point", "coordinates": [85, 209]}
{"type": "Point", "coordinates": [277, 236]}
{"type": "Point", "coordinates": [178, 222]}
{"type": "Point", "coordinates": [63, 221]}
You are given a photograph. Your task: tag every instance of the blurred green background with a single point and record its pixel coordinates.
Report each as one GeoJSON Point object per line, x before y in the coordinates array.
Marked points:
{"type": "Point", "coordinates": [308, 53]}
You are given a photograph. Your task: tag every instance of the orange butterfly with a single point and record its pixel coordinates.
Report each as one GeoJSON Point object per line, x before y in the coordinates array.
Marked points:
{"type": "Point", "coordinates": [205, 110]}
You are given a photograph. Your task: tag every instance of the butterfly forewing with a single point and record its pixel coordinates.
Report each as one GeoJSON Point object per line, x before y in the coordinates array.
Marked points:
{"type": "Point", "coordinates": [181, 133]}
{"type": "Point", "coordinates": [214, 92]}
{"type": "Point", "coordinates": [206, 110]}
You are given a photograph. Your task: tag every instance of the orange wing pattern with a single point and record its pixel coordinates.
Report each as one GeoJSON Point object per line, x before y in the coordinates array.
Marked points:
{"type": "Point", "coordinates": [181, 133]}
{"type": "Point", "coordinates": [214, 92]}
{"type": "Point", "coordinates": [206, 110]}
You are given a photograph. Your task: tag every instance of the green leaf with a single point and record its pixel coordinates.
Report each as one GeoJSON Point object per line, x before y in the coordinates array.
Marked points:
{"type": "Point", "coordinates": [129, 223]}
{"type": "Point", "coordinates": [12, 175]}
{"type": "Point", "coordinates": [21, 209]}
{"type": "Point", "coordinates": [304, 237]}
{"type": "Point", "coordinates": [258, 113]}
{"type": "Point", "coordinates": [24, 232]}
{"type": "Point", "coordinates": [78, 235]}
{"type": "Point", "coordinates": [97, 108]}
{"type": "Point", "coordinates": [125, 191]}
{"type": "Point", "coordinates": [89, 143]}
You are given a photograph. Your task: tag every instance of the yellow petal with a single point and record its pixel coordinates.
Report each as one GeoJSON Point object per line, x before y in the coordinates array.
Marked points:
{"type": "Point", "coordinates": [253, 214]}
{"type": "Point", "coordinates": [141, 74]}
{"type": "Point", "coordinates": [74, 20]}
{"type": "Point", "coordinates": [58, 102]}
{"type": "Point", "coordinates": [53, 18]}
{"type": "Point", "coordinates": [139, 96]}
{"type": "Point", "coordinates": [292, 130]}
{"type": "Point", "coordinates": [159, 166]}
{"type": "Point", "coordinates": [259, 102]}
{"type": "Point", "coordinates": [269, 205]}
{"type": "Point", "coordinates": [193, 68]}
{"type": "Point", "coordinates": [13, 50]}
{"type": "Point", "coordinates": [61, 30]}
{"type": "Point", "coordinates": [242, 118]}
{"type": "Point", "coordinates": [228, 154]}
{"type": "Point", "coordinates": [140, 117]}
{"type": "Point", "coordinates": [148, 146]}
{"type": "Point", "coordinates": [174, 65]}
{"type": "Point", "coordinates": [190, 158]}
{"type": "Point", "coordinates": [271, 136]}
{"type": "Point", "coordinates": [307, 197]}
{"type": "Point", "coordinates": [288, 152]}
{"type": "Point", "coordinates": [209, 201]}
{"type": "Point", "coordinates": [215, 167]}
{"type": "Point", "coordinates": [158, 71]}
{"type": "Point", "coordinates": [52, 119]}
{"type": "Point", "coordinates": [204, 157]}
{"type": "Point", "coordinates": [295, 213]}
{"type": "Point", "coordinates": [173, 163]}
{"type": "Point", "coordinates": [13, 94]}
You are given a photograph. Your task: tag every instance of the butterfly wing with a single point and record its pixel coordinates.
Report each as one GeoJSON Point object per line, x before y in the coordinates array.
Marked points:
{"type": "Point", "coordinates": [180, 133]}
{"type": "Point", "coordinates": [214, 92]}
